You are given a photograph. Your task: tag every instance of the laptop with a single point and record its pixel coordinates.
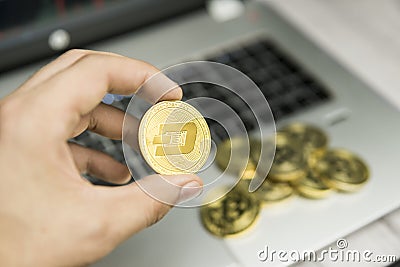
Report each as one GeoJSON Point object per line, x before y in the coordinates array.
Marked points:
{"type": "Point", "coordinates": [301, 83]}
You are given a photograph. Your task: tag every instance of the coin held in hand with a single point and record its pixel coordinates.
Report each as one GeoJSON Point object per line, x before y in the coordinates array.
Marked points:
{"type": "Point", "coordinates": [174, 138]}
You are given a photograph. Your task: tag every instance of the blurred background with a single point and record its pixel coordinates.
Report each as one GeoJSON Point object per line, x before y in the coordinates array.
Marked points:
{"type": "Point", "coordinates": [334, 64]}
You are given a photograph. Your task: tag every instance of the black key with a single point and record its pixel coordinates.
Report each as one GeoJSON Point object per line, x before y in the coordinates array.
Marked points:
{"type": "Point", "coordinates": [267, 59]}
{"type": "Point", "coordinates": [238, 54]}
{"type": "Point", "coordinates": [395, 264]}
{"type": "Point", "coordinates": [125, 102]}
{"type": "Point", "coordinates": [248, 65]}
{"type": "Point", "coordinates": [255, 49]}
{"type": "Point", "coordinates": [223, 58]}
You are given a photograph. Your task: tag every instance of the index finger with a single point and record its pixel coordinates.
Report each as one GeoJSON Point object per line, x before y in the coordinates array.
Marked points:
{"type": "Point", "coordinates": [80, 88]}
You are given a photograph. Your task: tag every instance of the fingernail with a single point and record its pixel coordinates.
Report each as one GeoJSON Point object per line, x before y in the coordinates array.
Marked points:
{"type": "Point", "coordinates": [190, 191]}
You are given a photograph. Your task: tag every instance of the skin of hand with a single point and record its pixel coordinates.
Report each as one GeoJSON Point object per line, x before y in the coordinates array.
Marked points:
{"type": "Point", "coordinates": [49, 214]}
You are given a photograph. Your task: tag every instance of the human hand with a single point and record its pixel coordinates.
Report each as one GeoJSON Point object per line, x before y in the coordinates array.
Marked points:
{"type": "Point", "coordinates": [50, 215]}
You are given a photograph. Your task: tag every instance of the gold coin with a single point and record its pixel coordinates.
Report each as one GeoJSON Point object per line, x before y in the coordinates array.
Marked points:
{"type": "Point", "coordinates": [310, 137]}
{"type": "Point", "coordinates": [341, 170]}
{"type": "Point", "coordinates": [232, 154]}
{"type": "Point", "coordinates": [231, 214]}
{"type": "Point", "coordinates": [289, 163]}
{"type": "Point", "coordinates": [312, 186]}
{"type": "Point", "coordinates": [255, 149]}
{"type": "Point", "coordinates": [174, 138]}
{"type": "Point", "coordinates": [262, 155]}
{"type": "Point", "coordinates": [270, 192]}
{"type": "Point", "coordinates": [249, 172]}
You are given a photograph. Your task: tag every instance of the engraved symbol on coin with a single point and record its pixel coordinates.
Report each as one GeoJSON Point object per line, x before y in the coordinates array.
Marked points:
{"type": "Point", "coordinates": [175, 138]}
{"type": "Point", "coordinates": [289, 163]}
{"type": "Point", "coordinates": [230, 209]}
{"type": "Point", "coordinates": [283, 154]}
{"type": "Point", "coordinates": [341, 169]}
{"type": "Point", "coordinates": [232, 214]}
{"type": "Point", "coordinates": [312, 186]}
{"type": "Point", "coordinates": [310, 137]}
{"type": "Point", "coordinates": [270, 192]}
{"type": "Point", "coordinates": [340, 166]}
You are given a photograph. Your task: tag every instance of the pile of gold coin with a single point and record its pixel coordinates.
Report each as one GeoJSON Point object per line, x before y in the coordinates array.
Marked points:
{"type": "Point", "coordinates": [231, 214]}
{"type": "Point", "coordinates": [303, 165]}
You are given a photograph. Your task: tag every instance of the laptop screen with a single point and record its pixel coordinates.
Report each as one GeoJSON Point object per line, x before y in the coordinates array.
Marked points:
{"type": "Point", "coordinates": [33, 29]}
{"type": "Point", "coordinates": [18, 16]}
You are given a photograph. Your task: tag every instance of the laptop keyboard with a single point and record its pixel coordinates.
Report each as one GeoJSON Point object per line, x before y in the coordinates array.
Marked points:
{"type": "Point", "coordinates": [287, 87]}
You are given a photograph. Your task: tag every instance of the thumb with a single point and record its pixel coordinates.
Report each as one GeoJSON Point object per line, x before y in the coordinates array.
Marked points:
{"type": "Point", "coordinates": [133, 207]}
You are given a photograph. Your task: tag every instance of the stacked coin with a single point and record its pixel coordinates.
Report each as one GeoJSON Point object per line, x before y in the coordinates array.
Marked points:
{"type": "Point", "coordinates": [231, 214]}
{"type": "Point", "coordinates": [303, 164]}
{"type": "Point", "coordinates": [230, 155]}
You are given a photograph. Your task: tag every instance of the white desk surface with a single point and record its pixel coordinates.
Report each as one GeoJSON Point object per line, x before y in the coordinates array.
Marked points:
{"type": "Point", "coordinates": [364, 37]}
